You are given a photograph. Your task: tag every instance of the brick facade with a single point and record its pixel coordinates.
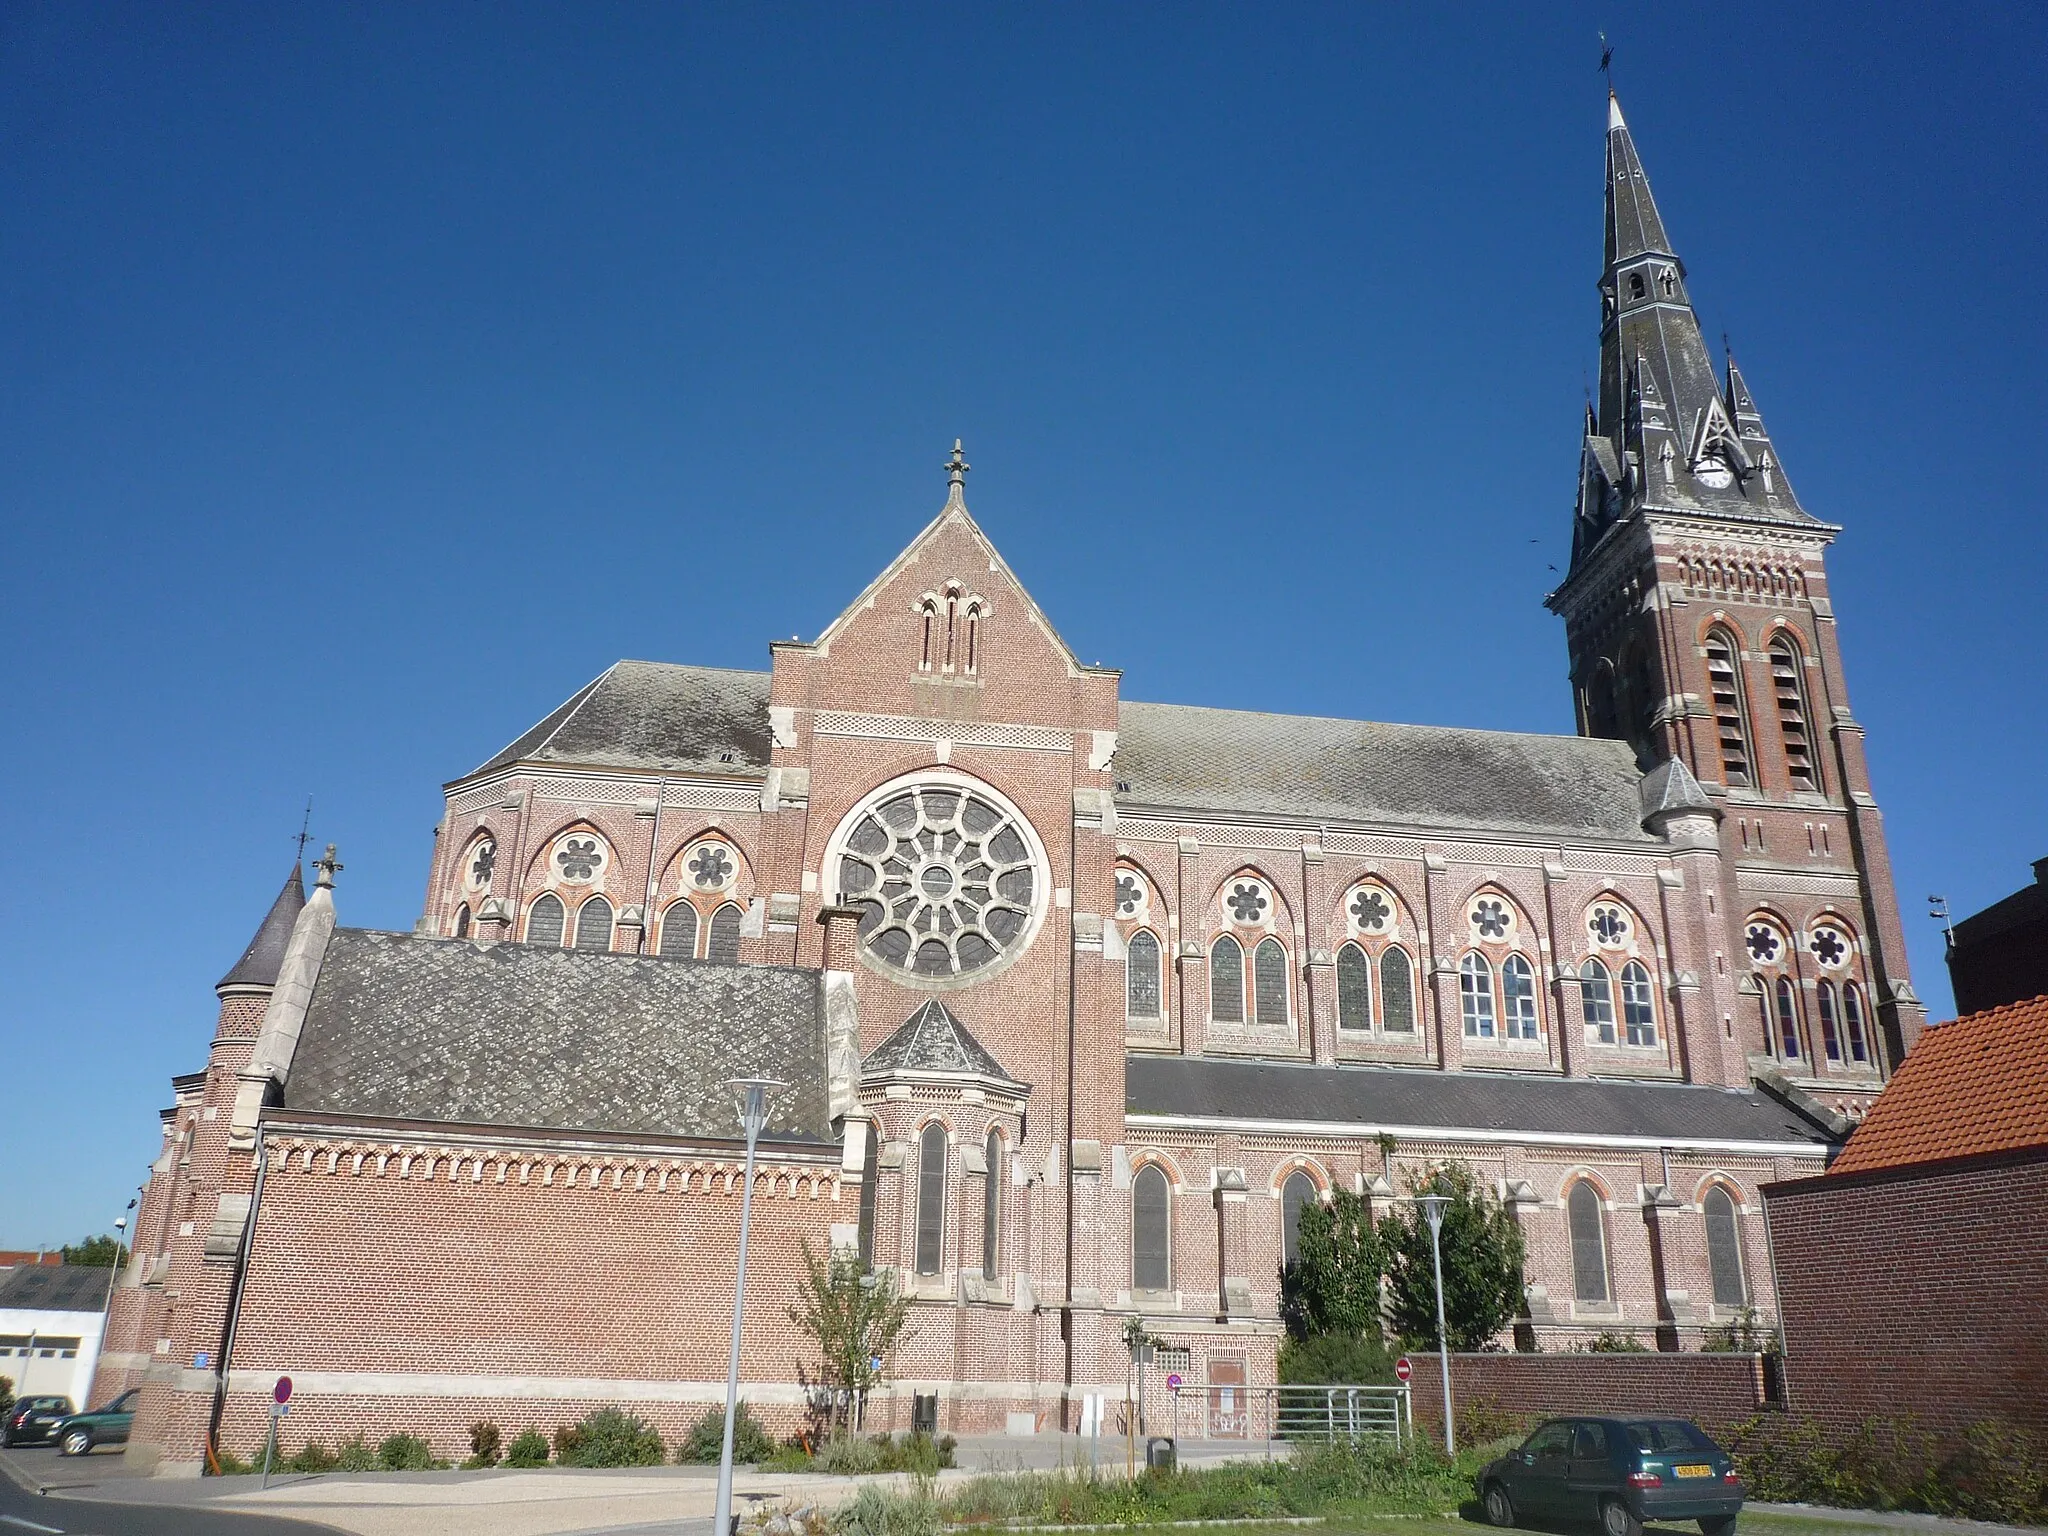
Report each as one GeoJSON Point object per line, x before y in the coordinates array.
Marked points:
{"type": "Point", "coordinates": [1712, 1390]}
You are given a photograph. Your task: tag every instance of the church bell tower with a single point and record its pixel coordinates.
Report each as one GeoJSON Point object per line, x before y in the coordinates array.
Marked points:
{"type": "Point", "coordinates": [1697, 611]}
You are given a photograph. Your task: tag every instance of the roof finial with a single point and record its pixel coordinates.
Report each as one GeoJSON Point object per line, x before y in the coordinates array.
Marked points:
{"type": "Point", "coordinates": [305, 835]}
{"type": "Point", "coordinates": [325, 868]}
{"type": "Point", "coordinates": [956, 477]}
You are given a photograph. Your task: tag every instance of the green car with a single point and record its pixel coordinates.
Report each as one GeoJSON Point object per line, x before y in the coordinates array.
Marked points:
{"type": "Point", "coordinates": [99, 1426]}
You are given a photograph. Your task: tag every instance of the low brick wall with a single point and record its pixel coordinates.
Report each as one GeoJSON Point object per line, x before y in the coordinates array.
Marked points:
{"type": "Point", "coordinates": [1711, 1390]}
{"type": "Point", "coordinates": [1917, 1293]}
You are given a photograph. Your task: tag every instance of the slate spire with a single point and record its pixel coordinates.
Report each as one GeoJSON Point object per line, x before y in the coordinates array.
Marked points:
{"type": "Point", "coordinates": [261, 961]}
{"type": "Point", "coordinates": [1668, 437]}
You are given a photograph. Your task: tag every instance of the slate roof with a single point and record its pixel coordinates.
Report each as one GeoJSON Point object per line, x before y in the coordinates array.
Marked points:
{"type": "Point", "coordinates": [1469, 1101]}
{"type": "Point", "coordinates": [933, 1040]}
{"type": "Point", "coordinates": [54, 1288]}
{"type": "Point", "coordinates": [1233, 760]}
{"type": "Point", "coordinates": [264, 957]}
{"type": "Point", "coordinates": [1977, 1085]}
{"type": "Point", "coordinates": [518, 1035]}
{"type": "Point", "coordinates": [655, 715]}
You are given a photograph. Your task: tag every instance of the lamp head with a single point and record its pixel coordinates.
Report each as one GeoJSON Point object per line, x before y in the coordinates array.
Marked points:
{"type": "Point", "coordinates": [1433, 1211]}
{"type": "Point", "coordinates": [751, 1096]}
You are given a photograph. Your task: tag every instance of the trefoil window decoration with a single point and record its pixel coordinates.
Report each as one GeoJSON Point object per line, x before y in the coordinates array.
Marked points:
{"type": "Point", "coordinates": [1475, 996]}
{"type": "Point", "coordinates": [1142, 1000]}
{"type": "Point", "coordinates": [1354, 989]}
{"type": "Point", "coordinates": [1596, 1001]}
{"type": "Point", "coordinates": [1132, 896]}
{"type": "Point", "coordinates": [1518, 998]}
{"type": "Point", "coordinates": [1372, 910]}
{"type": "Point", "coordinates": [1491, 918]}
{"type": "Point", "coordinates": [948, 881]}
{"type": "Point", "coordinates": [580, 857]}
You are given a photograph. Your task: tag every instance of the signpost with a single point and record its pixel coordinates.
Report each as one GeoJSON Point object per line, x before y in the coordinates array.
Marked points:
{"type": "Point", "coordinates": [1403, 1370]}
{"type": "Point", "coordinates": [280, 1404]}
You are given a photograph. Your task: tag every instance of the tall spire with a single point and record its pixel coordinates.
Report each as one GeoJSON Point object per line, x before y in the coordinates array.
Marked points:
{"type": "Point", "coordinates": [259, 964]}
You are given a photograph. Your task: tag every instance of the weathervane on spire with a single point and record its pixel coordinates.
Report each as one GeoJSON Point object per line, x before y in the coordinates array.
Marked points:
{"type": "Point", "coordinates": [1607, 62]}
{"type": "Point", "coordinates": [305, 833]}
{"type": "Point", "coordinates": [956, 477]}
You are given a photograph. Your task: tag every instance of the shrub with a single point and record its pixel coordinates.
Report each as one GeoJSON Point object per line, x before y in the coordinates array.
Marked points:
{"type": "Point", "coordinates": [1996, 1472]}
{"type": "Point", "coordinates": [568, 1442]}
{"type": "Point", "coordinates": [355, 1455]}
{"type": "Point", "coordinates": [878, 1512]}
{"type": "Point", "coordinates": [484, 1445]}
{"type": "Point", "coordinates": [404, 1453]}
{"type": "Point", "coordinates": [1339, 1358]}
{"type": "Point", "coordinates": [1611, 1343]}
{"type": "Point", "coordinates": [611, 1437]}
{"type": "Point", "coordinates": [529, 1448]}
{"type": "Point", "coordinates": [227, 1464]}
{"type": "Point", "coordinates": [849, 1455]}
{"type": "Point", "coordinates": [750, 1442]}
{"type": "Point", "coordinates": [313, 1457]}
{"type": "Point", "coordinates": [6, 1395]}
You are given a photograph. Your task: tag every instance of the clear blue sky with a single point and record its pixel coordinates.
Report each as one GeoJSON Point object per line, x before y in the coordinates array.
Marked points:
{"type": "Point", "coordinates": [371, 376]}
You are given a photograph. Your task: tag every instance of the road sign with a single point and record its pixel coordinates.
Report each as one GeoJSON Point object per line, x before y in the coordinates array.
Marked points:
{"type": "Point", "coordinates": [1173, 1382]}
{"type": "Point", "coordinates": [283, 1390]}
{"type": "Point", "coordinates": [1403, 1370]}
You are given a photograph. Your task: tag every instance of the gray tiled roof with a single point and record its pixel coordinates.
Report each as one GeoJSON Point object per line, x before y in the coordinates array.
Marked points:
{"type": "Point", "coordinates": [1233, 760]}
{"type": "Point", "coordinates": [1372, 1097]}
{"type": "Point", "coordinates": [933, 1040]}
{"type": "Point", "coordinates": [261, 961]}
{"type": "Point", "coordinates": [518, 1035]}
{"type": "Point", "coordinates": [54, 1288]}
{"type": "Point", "coordinates": [655, 715]}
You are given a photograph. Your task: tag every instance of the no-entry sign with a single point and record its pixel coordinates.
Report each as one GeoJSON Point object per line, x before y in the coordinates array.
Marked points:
{"type": "Point", "coordinates": [1402, 1369]}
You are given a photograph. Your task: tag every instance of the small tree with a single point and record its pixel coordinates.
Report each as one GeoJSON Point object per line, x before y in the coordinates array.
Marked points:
{"type": "Point", "coordinates": [854, 1316]}
{"type": "Point", "coordinates": [1333, 1285]}
{"type": "Point", "coordinates": [95, 1252]}
{"type": "Point", "coordinates": [1482, 1253]}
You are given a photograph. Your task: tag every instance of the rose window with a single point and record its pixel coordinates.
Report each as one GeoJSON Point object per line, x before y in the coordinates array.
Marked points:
{"type": "Point", "coordinates": [579, 858]}
{"type": "Point", "coordinates": [481, 858]}
{"type": "Point", "coordinates": [1609, 926]}
{"type": "Point", "coordinates": [711, 867]}
{"type": "Point", "coordinates": [1247, 901]}
{"type": "Point", "coordinates": [1130, 893]}
{"type": "Point", "coordinates": [1763, 943]}
{"type": "Point", "coordinates": [1829, 947]}
{"type": "Point", "coordinates": [1491, 919]}
{"type": "Point", "coordinates": [1372, 909]}
{"type": "Point", "coordinates": [945, 879]}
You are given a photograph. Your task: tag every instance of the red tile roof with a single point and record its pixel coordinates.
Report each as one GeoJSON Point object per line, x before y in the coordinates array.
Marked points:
{"type": "Point", "coordinates": [1977, 1085]}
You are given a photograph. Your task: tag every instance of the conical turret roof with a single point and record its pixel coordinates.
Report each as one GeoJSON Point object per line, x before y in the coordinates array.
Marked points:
{"type": "Point", "coordinates": [261, 961]}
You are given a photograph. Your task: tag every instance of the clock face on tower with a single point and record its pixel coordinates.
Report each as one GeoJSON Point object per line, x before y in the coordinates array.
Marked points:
{"type": "Point", "coordinates": [1712, 470]}
{"type": "Point", "coordinates": [949, 877]}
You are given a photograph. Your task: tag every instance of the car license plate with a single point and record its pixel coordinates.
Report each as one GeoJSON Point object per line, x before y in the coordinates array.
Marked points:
{"type": "Point", "coordinates": [1694, 1470]}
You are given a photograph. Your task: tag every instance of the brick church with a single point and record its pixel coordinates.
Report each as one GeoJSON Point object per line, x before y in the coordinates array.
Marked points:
{"type": "Point", "coordinates": [1078, 998]}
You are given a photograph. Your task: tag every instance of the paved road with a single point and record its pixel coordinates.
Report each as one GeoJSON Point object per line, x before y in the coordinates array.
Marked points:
{"type": "Point", "coordinates": [24, 1512]}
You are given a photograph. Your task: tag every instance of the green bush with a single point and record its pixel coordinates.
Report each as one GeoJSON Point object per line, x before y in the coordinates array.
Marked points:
{"type": "Point", "coordinates": [702, 1443]}
{"type": "Point", "coordinates": [1611, 1343]}
{"type": "Point", "coordinates": [228, 1464]}
{"type": "Point", "coordinates": [850, 1455]}
{"type": "Point", "coordinates": [529, 1448]}
{"type": "Point", "coordinates": [1340, 1358]}
{"type": "Point", "coordinates": [485, 1442]}
{"type": "Point", "coordinates": [355, 1455]}
{"type": "Point", "coordinates": [875, 1511]}
{"type": "Point", "coordinates": [6, 1395]}
{"type": "Point", "coordinates": [568, 1443]}
{"type": "Point", "coordinates": [404, 1453]}
{"type": "Point", "coordinates": [1995, 1472]}
{"type": "Point", "coordinates": [611, 1437]}
{"type": "Point", "coordinates": [313, 1457]}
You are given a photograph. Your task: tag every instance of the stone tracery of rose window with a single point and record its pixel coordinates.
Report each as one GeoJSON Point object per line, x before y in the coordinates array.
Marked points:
{"type": "Point", "coordinates": [945, 879]}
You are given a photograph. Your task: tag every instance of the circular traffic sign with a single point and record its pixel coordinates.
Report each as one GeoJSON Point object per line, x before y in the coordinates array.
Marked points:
{"type": "Point", "coordinates": [283, 1390]}
{"type": "Point", "coordinates": [1173, 1382]}
{"type": "Point", "coordinates": [1402, 1369]}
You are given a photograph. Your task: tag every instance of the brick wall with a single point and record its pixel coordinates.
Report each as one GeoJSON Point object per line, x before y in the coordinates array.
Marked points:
{"type": "Point", "coordinates": [1919, 1291]}
{"type": "Point", "coordinates": [1710, 1390]}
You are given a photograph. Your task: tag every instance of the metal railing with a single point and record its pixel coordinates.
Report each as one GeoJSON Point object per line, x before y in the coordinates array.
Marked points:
{"type": "Point", "coordinates": [1224, 1411]}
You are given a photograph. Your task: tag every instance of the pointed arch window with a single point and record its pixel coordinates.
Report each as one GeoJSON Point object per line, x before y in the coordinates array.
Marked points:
{"type": "Point", "coordinates": [544, 921]}
{"type": "Point", "coordinates": [1226, 981]}
{"type": "Point", "coordinates": [1397, 992]}
{"type": "Point", "coordinates": [991, 1204]}
{"type": "Point", "coordinates": [1141, 977]}
{"type": "Point", "coordinates": [724, 942]}
{"type": "Point", "coordinates": [1852, 1016]}
{"type": "Point", "coordinates": [1596, 1001]}
{"type": "Point", "coordinates": [1638, 1005]}
{"type": "Point", "coordinates": [1830, 1029]}
{"type": "Point", "coordinates": [1354, 988]}
{"type": "Point", "coordinates": [1518, 998]}
{"type": "Point", "coordinates": [870, 1178]}
{"type": "Point", "coordinates": [931, 1198]}
{"type": "Point", "coordinates": [1589, 1243]}
{"type": "Point", "coordinates": [1788, 678]}
{"type": "Point", "coordinates": [679, 932]}
{"type": "Point", "coordinates": [1269, 982]}
{"type": "Point", "coordinates": [594, 924]}
{"type": "Point", "coordinates": [1788, 1018]}
{"type": "Point", "coordinates": [462, 921]}
{"type": "Point", "coordinates": [1724, 1248]}
{"type": "Point", "coordinates": [1298, 1191]}
{"type": "Point", "coordinates": [1731, 712]}
{"type": "Point", "coordinates": [1151, 1230]}
{"type": "Point", "coordinates": [1475, 996]}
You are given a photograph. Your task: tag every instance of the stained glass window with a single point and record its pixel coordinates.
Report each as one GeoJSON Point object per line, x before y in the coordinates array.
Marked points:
{"type": "Point", "coordinates": [1724, 1248]}
{"type": "Point", "coordinates": [462, 921]}
{"type": "Point", "coordinates": [931, 1198]}
{"type": "Point", "coordinates": [1788, 1019]}
{"type": "Point", "coordinates": [724, 944]}
{"type": "Point", "coordinates": [991, 1204]}
{"type": "Point", "coordinates": [1397, 992]}
{"type": "Point", "coordinates": [1354, 988]}
{"type": "Point", "coordinates": [1269, 982]}
{"type": "Point", "coordinates": [1589, 1244]}
{"type": "Point", "coordinates": [1297, 1192]}
{"type": "Point", "coordinates": [594, 924]}
{"type": "Point", "coordinates": [1151, 1220]}
{"type": "Point", "coordinates": [1226, 981]}
{"type": "Point", "coordinates": [544, 922]}
{"type": "Point", "coordinates": [679, 932]}
{"type": "Point", "coordinates": [1830, 1033]}
{"type": "Point", "coordinates": [1852, 1011]}
{"type": "Point", "coordinates": [1141, 977]}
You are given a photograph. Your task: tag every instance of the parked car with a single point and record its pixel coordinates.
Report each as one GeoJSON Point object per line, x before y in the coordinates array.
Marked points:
{"type": "Point", "coordinates": [100, 1426]}
{"type": "Point", "coordinates": [1619, 1472]}
{"type": "Point", "coordinates": [31, 1420]}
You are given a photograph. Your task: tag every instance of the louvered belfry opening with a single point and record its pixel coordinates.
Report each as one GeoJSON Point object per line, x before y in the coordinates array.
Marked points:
{"type": "Point", "coordinates": [1729, 717]}
{"type": "Point", "coordinates": [1787, 678]}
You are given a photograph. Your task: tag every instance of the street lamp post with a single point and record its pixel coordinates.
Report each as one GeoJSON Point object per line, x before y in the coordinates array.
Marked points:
{"type": "Point", "coordinates": [752, 1103]}
{"type": "Point", "coordinates": [1433, 1213]}
{"type": "Point", "coordinates": [107, 1312]}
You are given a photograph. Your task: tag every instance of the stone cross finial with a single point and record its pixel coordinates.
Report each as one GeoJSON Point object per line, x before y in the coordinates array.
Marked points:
{"type": "Point", "coordinates": [956, 477]}
{"type": "Point", "coordinates": [325, 868]}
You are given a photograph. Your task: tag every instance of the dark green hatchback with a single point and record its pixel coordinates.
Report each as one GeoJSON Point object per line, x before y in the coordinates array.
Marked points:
{"type": "Point", "coordinates": [1618, 1472]}
{"type": "Point", "coordinates": [106, 1425]}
